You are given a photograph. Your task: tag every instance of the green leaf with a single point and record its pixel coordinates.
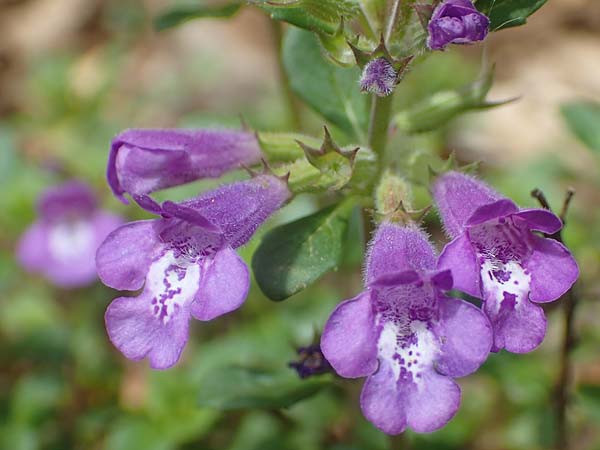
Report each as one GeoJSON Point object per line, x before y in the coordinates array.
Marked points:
{"type": "Point", "coordinates": [322, 16]}
{"type": "Point", "coordinates": [508, 13]}
{"type": "Point", "coordinates": [294, 255]}
{"type": "Point", "coordinates": [178, 15]}
{"type": "Point", "coordinates": [443, 106]}
{"type": "Point", "coordinates": [331, 91]}
{"type": "Point", "coordinates": [234, 387]}
{"type": "Point", "coordinates": [583, 119]}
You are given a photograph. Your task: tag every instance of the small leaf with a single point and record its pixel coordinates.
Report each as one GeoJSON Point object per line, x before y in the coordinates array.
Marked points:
{"type": "Point", "coordinates": [508, 13]}
{"type": "Point", "coordinates": [331, 91]}
{"type": "Point", "coordinates": [583, 119]}
{"type": "Point", "coordinates": [178, 15]}
{"type": "Point", "coordinates": [293, 256]}
{"type": "Point", "coordinates": [443, 106]}
{"type": "Point", "coordinates": [322, 16]}
{"type": "Point", "coordinates": [228, 388]}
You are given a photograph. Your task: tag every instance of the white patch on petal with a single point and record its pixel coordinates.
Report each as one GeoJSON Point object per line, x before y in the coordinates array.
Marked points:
{"type": "Point", "coordinates": [173, 283]}
{"type": "Point", "coordinates": [408, 358]}
{"type": "Point", "coordinates": [504, 282]}
{"type": "Point", "coordinates": [67, 241]}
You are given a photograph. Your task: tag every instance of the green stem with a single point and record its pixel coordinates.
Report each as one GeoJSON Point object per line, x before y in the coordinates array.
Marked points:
{"type": "Point", "coordinates": [291, 100]}
{"type": "Point", "coordinates": [381, 109]}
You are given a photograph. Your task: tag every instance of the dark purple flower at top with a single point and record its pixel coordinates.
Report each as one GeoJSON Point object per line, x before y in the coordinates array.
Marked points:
{"type": "Point", "coordinates": [143, 161]}
{"type": "Point", "coordinates": [456, 22]}
{"type": "Point", "coordinates": [406, 336]}
{"type": "Point", "coordinates": [497, 256]}
{"type": "Point", "coordinates": [185, 263]}
{"type": "Point", "coordinates": [379, 77]}
{"type": "Point", "coordinates": [62, 243]}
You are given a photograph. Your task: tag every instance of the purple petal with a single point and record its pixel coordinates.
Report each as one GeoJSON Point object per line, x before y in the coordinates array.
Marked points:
{"type": "Point", "coordinates": [395, 249]}
{"type": "Point", "coordinates": [382, 402]}
{"type": "Point", "coordinates": [349, 338]}
{"type": "Point", "coordinates": [406, 390]}
{"type": "Point", "coordinates": [456, 21]}
{"type": "Point", "coordinates": [224, 286]}
{"type": "Point", "coordinates": [155, 324]}
{"type": "Point", "coordinates": [552, 268]}
{"type": "Point", "coordinates": [189, 215]}
{"type": "Point", "coordinates": [32, 248]}
{"type": "Point", "coordinates": [466, 336]}
{"type": "Point", "coordinates": [104, 223]}
{"type": "Point", "coordinates": [442, 279]}
{"type": "Point", "coordinates": [519, 325]}
{"type": "Point", "coordinates": [238, 209]}
{"type": "Point", "coordinates": [143, 161]}
{"type": "Point", "coordinates": [396, 278]}
{"type": "Point", "coordinates": [476, 28]}
{"type": "Point", "coordinates": [454, 8]}
{"type": "Point", "coordinates": [491, 211]}
{"type": "Point", "coordinates": [134, 330]}
{"type": "Point", "coordinates": [540, 220]}
{"type": "Point", "coordinates": [123, 259]}
{"type": "Point", "coordinates": [64, 251]}
{"type": "Point", "coordinates": [517, 329]}
{"type": "Point", "coordinates": [459, 256]}
{"type": "Point", "coordinates": [457, 197]}
{"type": "Point", "coordinates": [433, 404]}
{"type": "Point", "coordinates": [146, 202]}
{"type": "Point", "coordinates": [73, 198]}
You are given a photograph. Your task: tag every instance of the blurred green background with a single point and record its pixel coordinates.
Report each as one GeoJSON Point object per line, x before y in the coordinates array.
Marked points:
{"type": "Point", "coordinates": [73, 73]}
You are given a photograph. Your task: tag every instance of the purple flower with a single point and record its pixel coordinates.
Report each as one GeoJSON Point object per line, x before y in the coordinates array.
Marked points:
{"type": "Point", "coordinates": [185, 263]}
{"type": "Point", "coordinates": [496, 256]}
{"type": "Point", "coordinates": [143, 161]}
{"type": "Point", "coordinates": [406, 336]}
{"type": "Point", "coordinates": [379, 77]}
{"type": "Point", "coordinates": [456, 22]}
{"type": "Point", "coordinates": [62, 243]}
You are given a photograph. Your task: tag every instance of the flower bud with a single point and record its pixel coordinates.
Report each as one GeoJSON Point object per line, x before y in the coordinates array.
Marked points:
{"type": "Point", "coordinates": [144, 161]}
{"type": "Point", "coordinates": [456, 22]}
{"type": "Point", "coordinates": [379, 77]}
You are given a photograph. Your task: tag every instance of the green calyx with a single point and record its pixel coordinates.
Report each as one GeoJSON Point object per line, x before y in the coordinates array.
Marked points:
{"type": "Point", "coordinates": [330, 167]}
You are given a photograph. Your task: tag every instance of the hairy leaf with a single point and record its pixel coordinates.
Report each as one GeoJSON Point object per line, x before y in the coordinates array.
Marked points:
{"type": "Point", "coordinates": [293, 256]}
{"type": "Point", "coordinates": [508, 13]}
{"type": "Point", "coordinates": [322, 16]}
{"type": "Point", "coordinates": [178, 15]}
{"type": "Point", "coordinates": [331, 91]}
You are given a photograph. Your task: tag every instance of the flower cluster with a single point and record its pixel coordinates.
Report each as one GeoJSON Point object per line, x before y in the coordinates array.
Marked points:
{"type": "Point", "coordinates": [185, 260]}
{"type": "Point", "coordinates": [410, 339]}
{"type": "Point", "coordinates": [403, 332]}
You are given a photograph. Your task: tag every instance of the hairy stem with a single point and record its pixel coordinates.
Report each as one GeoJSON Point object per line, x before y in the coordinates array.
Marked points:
{"type": "Point", "coordinates": [291, 100]}
{"type": "Point", "coordinates": [379, 123]}
{"type": "Point", "coordinates": [381, 108]}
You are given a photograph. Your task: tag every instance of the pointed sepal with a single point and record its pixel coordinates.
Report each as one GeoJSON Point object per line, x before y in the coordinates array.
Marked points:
{"type": "Point", "coordinates": [331, 160]}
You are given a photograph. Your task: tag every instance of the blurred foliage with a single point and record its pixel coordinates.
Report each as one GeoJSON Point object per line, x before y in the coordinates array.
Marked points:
{"type": "Point", "coordinates": [63, 386]}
